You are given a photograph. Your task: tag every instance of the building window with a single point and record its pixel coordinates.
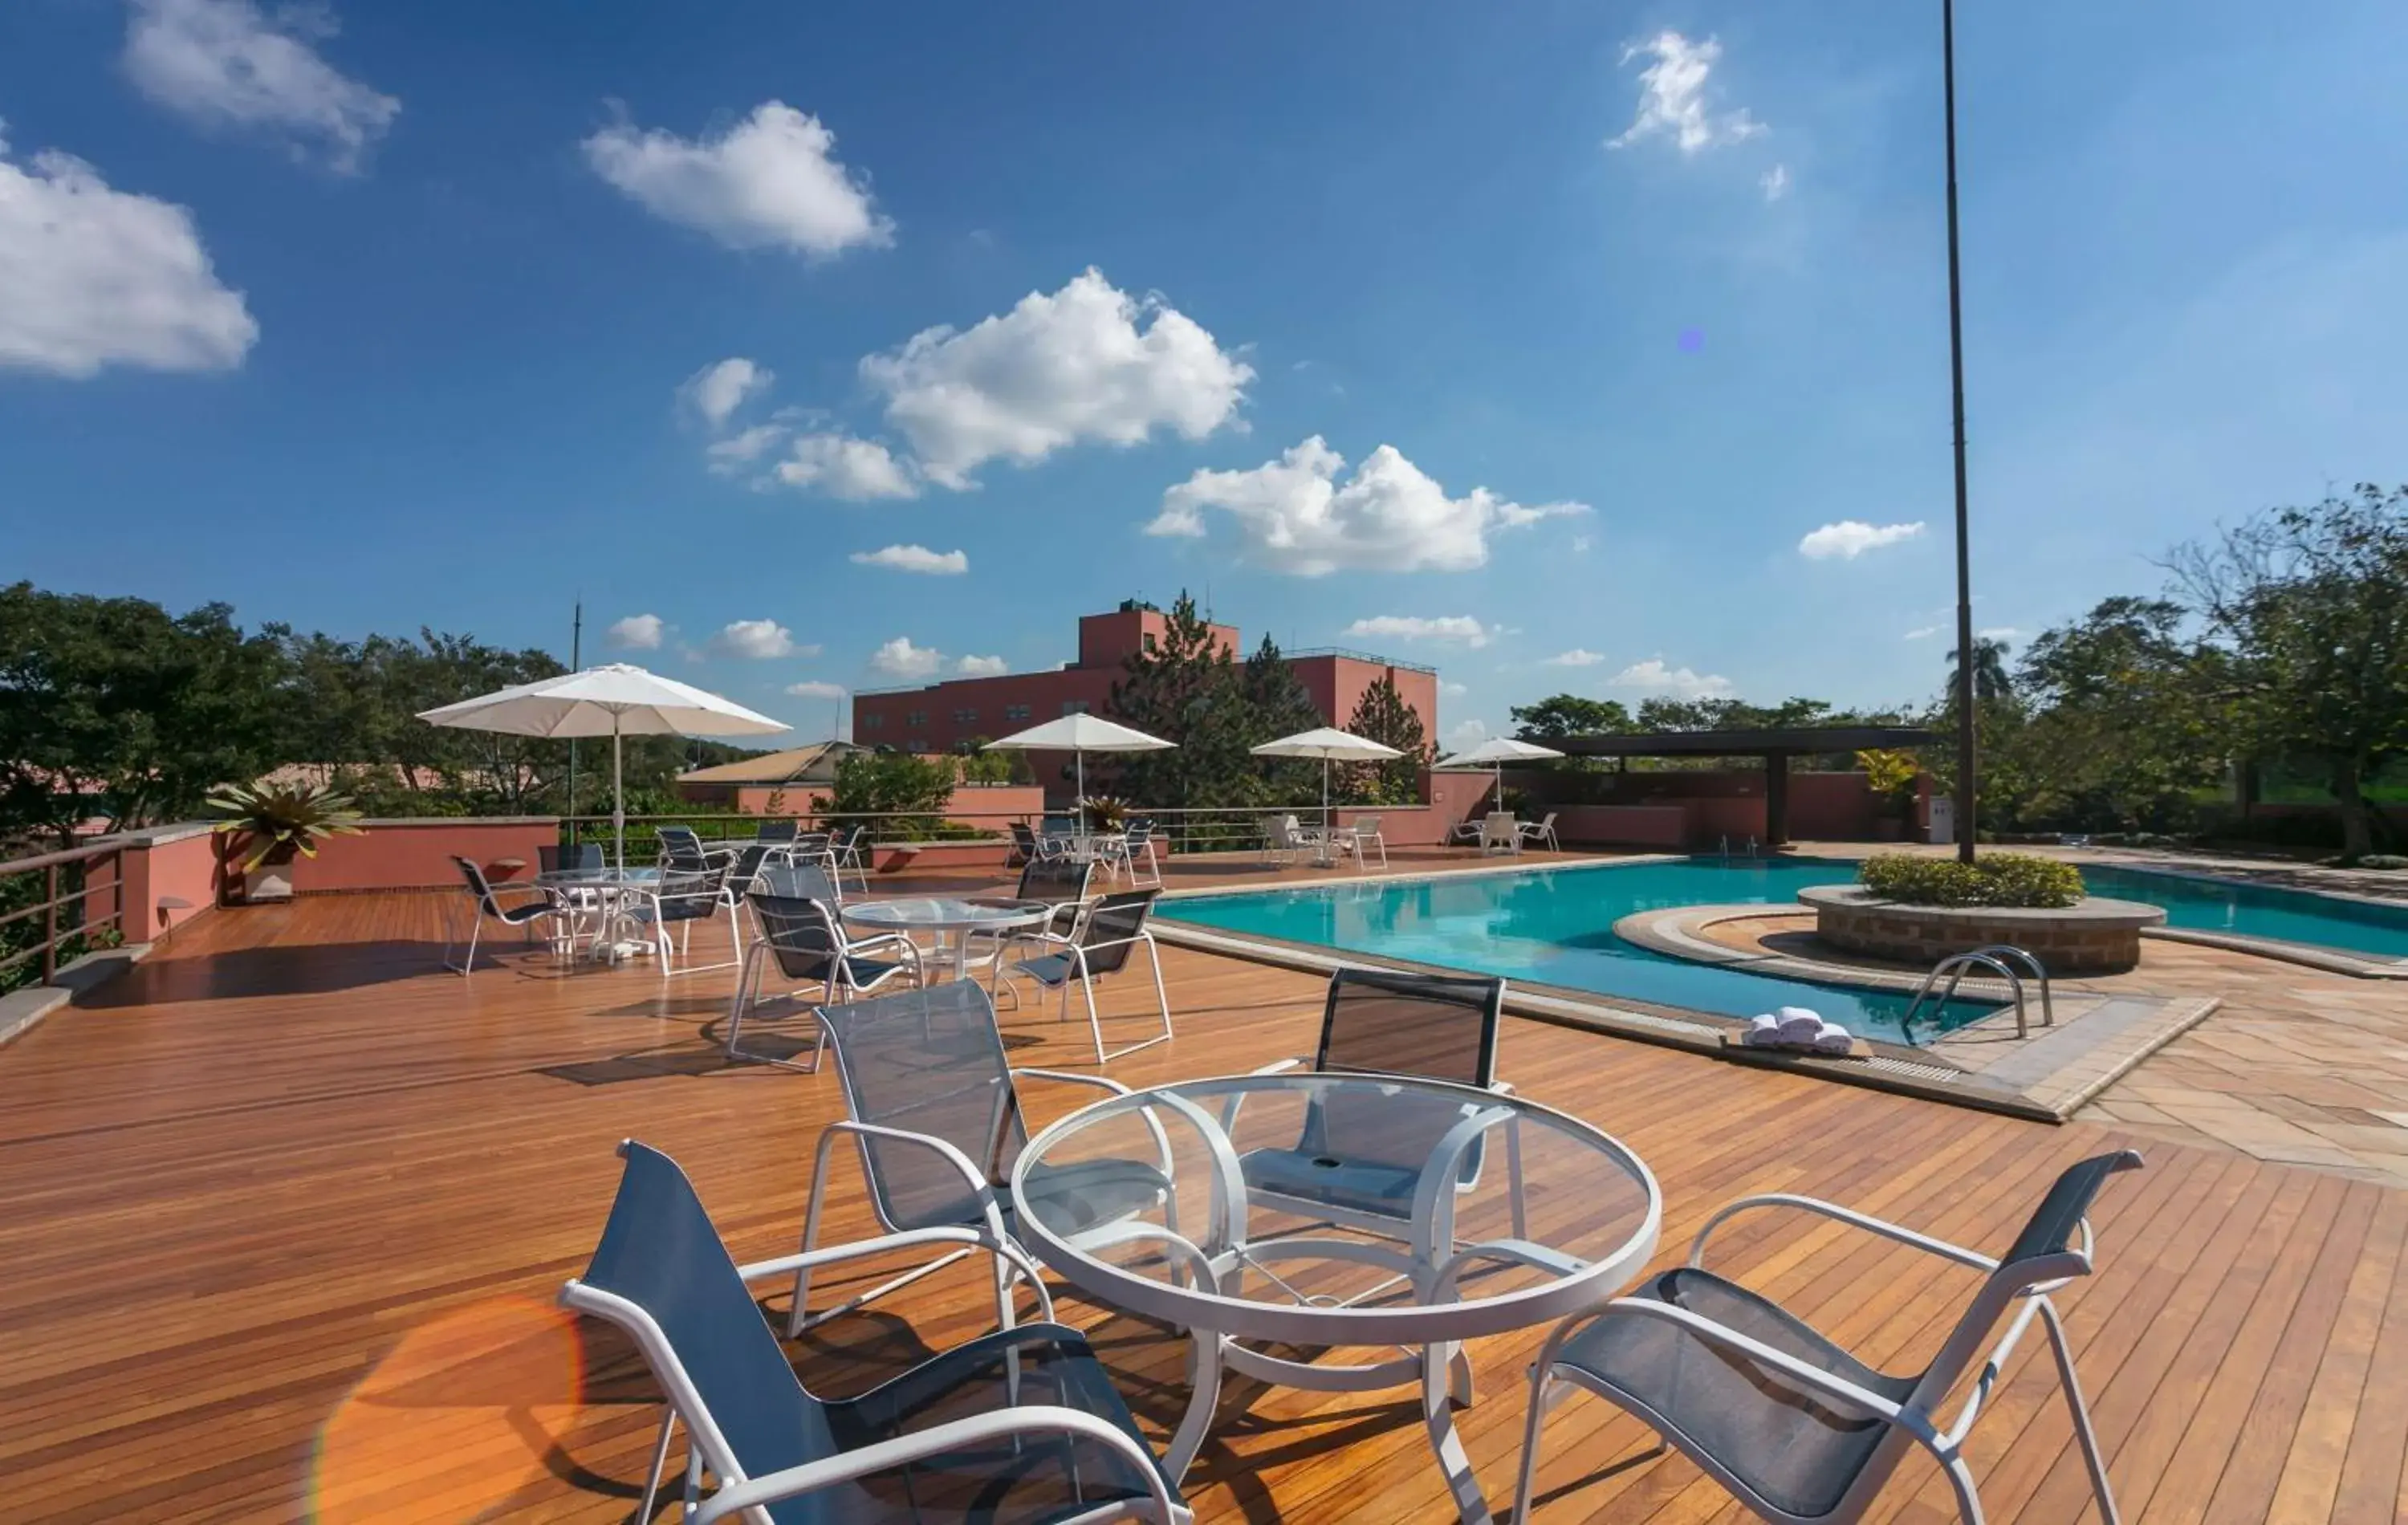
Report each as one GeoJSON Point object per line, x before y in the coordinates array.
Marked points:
{"type": "Point", "coordinates": [873, 721]}
{"type": "Point", "coordinates": [1015, 712]}
{"type": "Point", "coordinates": [917, 743]}
{"type": "Point", "coordinates": [965, 717]}
{"type": "Point", "coordinates": [1149, 640]}
{"type": "Point", "coordinates": [917, 717]}
{"type": "Point", "coordinates": [1074, 707]}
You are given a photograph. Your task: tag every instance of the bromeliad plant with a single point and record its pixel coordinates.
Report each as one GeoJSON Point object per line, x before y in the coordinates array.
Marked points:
{"type": "Point", "coordinates": [277, 820]}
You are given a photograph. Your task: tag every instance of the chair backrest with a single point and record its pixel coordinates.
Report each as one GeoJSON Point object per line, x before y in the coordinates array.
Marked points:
{"type": "Point", "coordinates": [479, 886]}
{"type": "Point", "coordinates": [1109, 927]}
{"type": "Point", "coordinates": [1366, 825]}
{"type": "Point", "coordinates": [1432, 1026]}
{"type": "Point", "coordinates": [666, 1278]}
{"type": "Point", "coordinates": [780, 830]}
{"type": "Point", "coordinates": [929, 1062]}
{"type": "Point", "coordinates": [798, 882]}
{"type": "Point", "coordinates": [1549, 824]}
{"type": "Point", "coordinates": [802, 934]}
{"type": "Point", "coordinates": [682, 849]}
{"type": "Point", "coordinates": [1025, 840]}
{"type": "Point", "coordinates": [748, 862]}
{"type": "Point", "coordinates": [1055, 881]}
{"type": "Point", "coordinates": [1060, 826]}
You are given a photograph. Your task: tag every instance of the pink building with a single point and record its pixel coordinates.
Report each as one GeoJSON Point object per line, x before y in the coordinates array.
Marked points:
{"type": "Point", "coordinates": [941, 716]}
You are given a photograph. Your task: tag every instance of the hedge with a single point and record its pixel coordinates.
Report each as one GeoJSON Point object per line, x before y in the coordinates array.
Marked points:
{"type": "Point", "coordinates": [2004, 879]}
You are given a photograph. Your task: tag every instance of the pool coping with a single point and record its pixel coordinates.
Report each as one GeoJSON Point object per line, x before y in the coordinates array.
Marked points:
{"type": "Point", "coordinates": [1418, 876]}
{"type": "Point", "coordinates": [1903, 1071]}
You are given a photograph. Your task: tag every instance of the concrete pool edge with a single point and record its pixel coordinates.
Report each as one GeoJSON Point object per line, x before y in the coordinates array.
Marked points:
{"type": "Point", "coordinates": [1903, 1071]}
{"type": "Point", "coordinates": [1419, 876]}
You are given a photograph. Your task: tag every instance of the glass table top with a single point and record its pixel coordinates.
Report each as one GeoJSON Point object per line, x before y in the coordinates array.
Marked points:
{"type": "Point", "coordinates": [928, 913]}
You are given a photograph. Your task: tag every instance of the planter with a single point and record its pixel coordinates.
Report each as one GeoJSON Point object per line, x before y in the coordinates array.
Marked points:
{"type": "Point", "coordinates": [2095, 937]}
{"type": "Point", "coordinates": [268, 883]}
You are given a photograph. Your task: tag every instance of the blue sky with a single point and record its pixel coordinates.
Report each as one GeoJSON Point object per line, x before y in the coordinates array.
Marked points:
{"type": "Point", "coordinates": [388, 315]}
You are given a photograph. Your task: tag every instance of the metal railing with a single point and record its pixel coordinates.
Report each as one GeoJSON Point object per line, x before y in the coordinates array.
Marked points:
{"type": "Point", "coordinates": [1999, 958]}
{"type": "Point", "coordinates": [56, 888]}
{"type": "Point", "coordinates": [1226, 829]}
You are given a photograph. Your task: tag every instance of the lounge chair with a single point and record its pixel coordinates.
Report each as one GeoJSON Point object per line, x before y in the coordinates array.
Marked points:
{"type": "Point", "coordinates": [936, 1116]}
{"type": "Point", "coordinates": [1360, 839]}
{"type": "Point", "coordinates": [1798, 1429]}
{"type": "Point", "coordinates": [804, 938]}
{"type": "Point", "coordinates": [1107, 933]}
{"type": "Point", "coordinates": [1023, 1423]}
{"type": "Point", "coordinates": [1468, 833]}
{"type": "Point", "coordinates": [1541, 833]}
{"type": "Point", "coordinates": [528, 916]}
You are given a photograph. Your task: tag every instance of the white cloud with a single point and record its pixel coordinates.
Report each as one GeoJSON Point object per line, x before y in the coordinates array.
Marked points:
{"type": "Point", "coordinates": [1774, 182]}
{"type": "Point", "coordinates": [844, 467]}
{"type": "Point", "coordinates": [899, 658]}
{"type": "Point", "coordinates": [226, 63]}
{"type": "Point", "coordinates": [1389, 516]}
{"type": "Point", "coordinates": [717, 390]}
{"type": "Point", "coordinates": [1679, 682]}
{"type": "Point", "coordinates": [1922, 632]}
{"type": "Point", "coordinates": [1998, 632]}
{"type": "Point", "coordinates": [1088, 362]}
{"type": "Point", "coordinates": [916, 559]}
{"type": "Point", "coordinates": [770, 181]}
{"type": "Point", "coordinates": [739, 450]}
{"type": "Point", "coordinates": [758, 640]}
{"type": "Point", "coordinates": [815, 688]}
{"type": "Point", "coordinates": [1578, 657]}
{"type": "Point", "coordinates": [982, 667]}
{"type": "Point", "coordinates": [1463, 736]}
{"type": "Point", "coordinates": [1852, 538]}
{"type": "Point", "coordinates": [636, 633]}
{"type": "Point", "coordinates": [92, 277]}
{"type": "Point", "coordinates": [1453, 691]}
{"type": "Point", "coordinates": [1458, 628]}
{"type": "Point", "coordinates": [1672, 96]}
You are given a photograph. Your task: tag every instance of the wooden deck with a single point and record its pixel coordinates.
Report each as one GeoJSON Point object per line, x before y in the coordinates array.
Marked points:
{"type": "Point", "coordinates": [282, 1214]}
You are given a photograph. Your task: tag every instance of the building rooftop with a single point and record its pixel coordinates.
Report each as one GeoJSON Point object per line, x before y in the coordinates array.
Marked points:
{"type": "Point", "coordinates": [772, 766]}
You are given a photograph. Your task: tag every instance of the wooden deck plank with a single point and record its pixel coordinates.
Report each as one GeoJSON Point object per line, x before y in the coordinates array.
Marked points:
{"type": "Point", "coordinates": [285, 1208]}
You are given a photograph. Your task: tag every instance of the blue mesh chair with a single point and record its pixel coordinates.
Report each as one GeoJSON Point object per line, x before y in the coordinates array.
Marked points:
{"type": "Point", "coordinates": [778, 830]}
{"type": "Point", "coordinates": [1105, 936]}
{"type": "Point", "coordinates": [545, 915]}
{"type": "Point", "coordinates": [848, 849]}
{"type": "Point", "coordinates": [1360, 1157]}
{"type": "Point", "coordinates": [1015, 1428]}
{"type": "Point", "coordinates": [937, 1119]}
{"type": "Point", "coordinates": [1797, 1427]}
{"type": "Point", "coordinates": [799, 934]}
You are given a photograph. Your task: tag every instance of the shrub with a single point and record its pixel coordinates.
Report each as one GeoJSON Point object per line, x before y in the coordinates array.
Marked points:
{"type": "Point", "coordinates": [2004, 879]}
{"type": "Point", "coordinates": [2382, 860]}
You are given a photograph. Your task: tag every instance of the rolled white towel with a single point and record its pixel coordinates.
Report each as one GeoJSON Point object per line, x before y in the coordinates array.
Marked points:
{"type": "Point", "coordinates": [1763, 1032]}
{"type": "Point", "coordinates": [1799, 1026]}
{"type": "Point", "coordinates": [1833, 1039]}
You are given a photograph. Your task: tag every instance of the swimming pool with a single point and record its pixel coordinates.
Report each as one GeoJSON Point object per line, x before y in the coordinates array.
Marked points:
{"type": "Point", "coordinates": [2214, 905]}
{"type": "Point", "coordinates": [1556, 927]}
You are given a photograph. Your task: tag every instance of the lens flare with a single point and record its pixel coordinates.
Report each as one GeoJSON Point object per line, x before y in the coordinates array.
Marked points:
{"type": "Point", "coordinates": [459, 1415]}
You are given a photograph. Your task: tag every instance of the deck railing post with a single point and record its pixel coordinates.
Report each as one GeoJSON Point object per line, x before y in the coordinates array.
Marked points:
{"type": "Point", "coordinates": [50, 923]}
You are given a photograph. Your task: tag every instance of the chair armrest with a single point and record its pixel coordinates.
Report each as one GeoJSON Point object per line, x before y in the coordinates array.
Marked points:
{"type": "Point", "coordinates": [884, 941]}
{"type": "Point", "coordinates": [952, 1155]}
{"type": "Point", "coordinates": [956, 1435]}
{"type": "Point", "coordinates": [1279, 1067]}
{"type": "Point", "coordinates": [1099, 1082]}
{"type": "Point", "coordinates": [862, 1250]}
{"type": "Point", "coordinates": [1884, 1229]}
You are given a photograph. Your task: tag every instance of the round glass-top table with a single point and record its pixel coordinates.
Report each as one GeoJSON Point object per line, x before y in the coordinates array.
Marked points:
{"type": "Point", "coordinates": [597, 900]}
{"type": "Point", "coordinates": [1342, 1211]}
{"type": "Point", "coordinates": [953, 920]}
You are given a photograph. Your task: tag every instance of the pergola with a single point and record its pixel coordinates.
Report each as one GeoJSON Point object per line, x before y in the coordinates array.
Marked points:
{"type": "Point", "coordinates": [1776, 747]}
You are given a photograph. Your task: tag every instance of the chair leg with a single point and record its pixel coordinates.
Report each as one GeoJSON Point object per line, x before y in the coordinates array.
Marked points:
{"type": "Point", "coordinates": [2073, 1400]}
{"type": "Point", "coordinates": [660, 1461]}
{"type": "Point", "coordinates": [1541, 1390]}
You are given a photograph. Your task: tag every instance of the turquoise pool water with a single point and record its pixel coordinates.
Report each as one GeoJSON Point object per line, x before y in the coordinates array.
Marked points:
{"type": "Point", "coordinates": [1556, 927]}
{"type": "Point", "coordinates": [2326, 921]}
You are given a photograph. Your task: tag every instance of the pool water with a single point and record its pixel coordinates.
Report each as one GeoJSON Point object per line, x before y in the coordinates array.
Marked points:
{"type": "Point", "coordinates": [1556, 927]}
{"type": "Point", "coordinates": [2207, 905]}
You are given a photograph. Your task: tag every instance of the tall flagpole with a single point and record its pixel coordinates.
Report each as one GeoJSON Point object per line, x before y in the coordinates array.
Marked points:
{"type": "Point", "coordinates": [576, 661]}
{"type": "Point", "coordinates": [1965, 793]}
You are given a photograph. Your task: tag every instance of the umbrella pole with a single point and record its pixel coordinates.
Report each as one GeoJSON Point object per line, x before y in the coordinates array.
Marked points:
{"type": "Point", "coordinates": [1079, 761]}
{"type": "Point", "coordinates": [1325, 813]}
{"type": "Point", "coordinates": [618, 798]}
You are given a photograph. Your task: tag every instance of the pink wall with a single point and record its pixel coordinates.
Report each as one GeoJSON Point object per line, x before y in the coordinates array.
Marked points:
{"type": "Point", "coordinates": [417, 853]}
{"type": "Point", "coordinates": [168, 863]}
{"type": "Point", "coordinates": [1622, 825]}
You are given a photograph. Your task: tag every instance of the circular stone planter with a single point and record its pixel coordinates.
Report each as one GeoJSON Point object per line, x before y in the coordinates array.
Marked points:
{"type": "Point", "coordinates": [2095, 937]}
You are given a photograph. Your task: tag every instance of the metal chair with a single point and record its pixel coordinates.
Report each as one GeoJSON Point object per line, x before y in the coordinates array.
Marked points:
{"type": "Point", "coordinates": [807, 942]}
{"type": "Point", "coordinates": [934, 1113]}
{"type": "Point", "coordinates": [851, 846]}
{"type": "Point", "coordinates": [1540, 833]}
{"type": "Point", "coordinates": [1358, 1161]}
{"type": "Point", "coordinates": [1360, 839]}
{"type": "Point", "coordinates": [778, 830]}
{"type": "Point", "coordinates": [488, 905]}
{"type": "Point", "coordinates": [1799, 1430]}
{"type": "Point", "coordinates": [1107, 933]}
{"type": "Point", "coordinates": [1020, 1424]}
{"type": "Point", "coordinates": [680, 898]}
{"type": "Point", "coordinates": [1138, 838]}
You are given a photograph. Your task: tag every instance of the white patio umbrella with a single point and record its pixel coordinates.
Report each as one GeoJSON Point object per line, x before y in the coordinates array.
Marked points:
{"type": "Point", "coordinates": [1080, 734]}
{"type": "Point", "coordinates": [612, 700]}
{"type": "Point", "coordinates": [1330, 745]}
{"type": "Point", "coordinates": [1495, 752]}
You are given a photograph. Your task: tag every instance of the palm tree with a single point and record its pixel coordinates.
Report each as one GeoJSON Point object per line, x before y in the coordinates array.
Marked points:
{"type": "Point", "coordinates": [1990, 680]}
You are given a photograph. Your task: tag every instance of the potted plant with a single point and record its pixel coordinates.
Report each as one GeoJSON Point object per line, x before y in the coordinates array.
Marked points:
{"type": "Point", "coordinates": [1104, 812]}
{"type": "Point", "coordinates": [271, 824]}
{"type": "Point", "coordinates": [1890, 776]}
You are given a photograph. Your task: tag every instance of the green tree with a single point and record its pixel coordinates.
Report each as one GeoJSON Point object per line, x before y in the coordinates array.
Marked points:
{"type": "Point", "coordinates": [2126, 719]}
{"type": "Point", "coordinates": [2311, 605]}
{"type": "Point", "coordinates": [1990, 679]}
{"type": "Point", "coordinates": [114, 708]}
{"type": "Point", "coordinates": [1382, 715]}
{"type": "Point", "coordinates": [1274, 705]}
{"type": "Point", "coordinates": [1185, 691]}
{"type": "Point", "coordinates": [898, 795]}
{"type": "Point", "coordinates": [1559, 715]}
